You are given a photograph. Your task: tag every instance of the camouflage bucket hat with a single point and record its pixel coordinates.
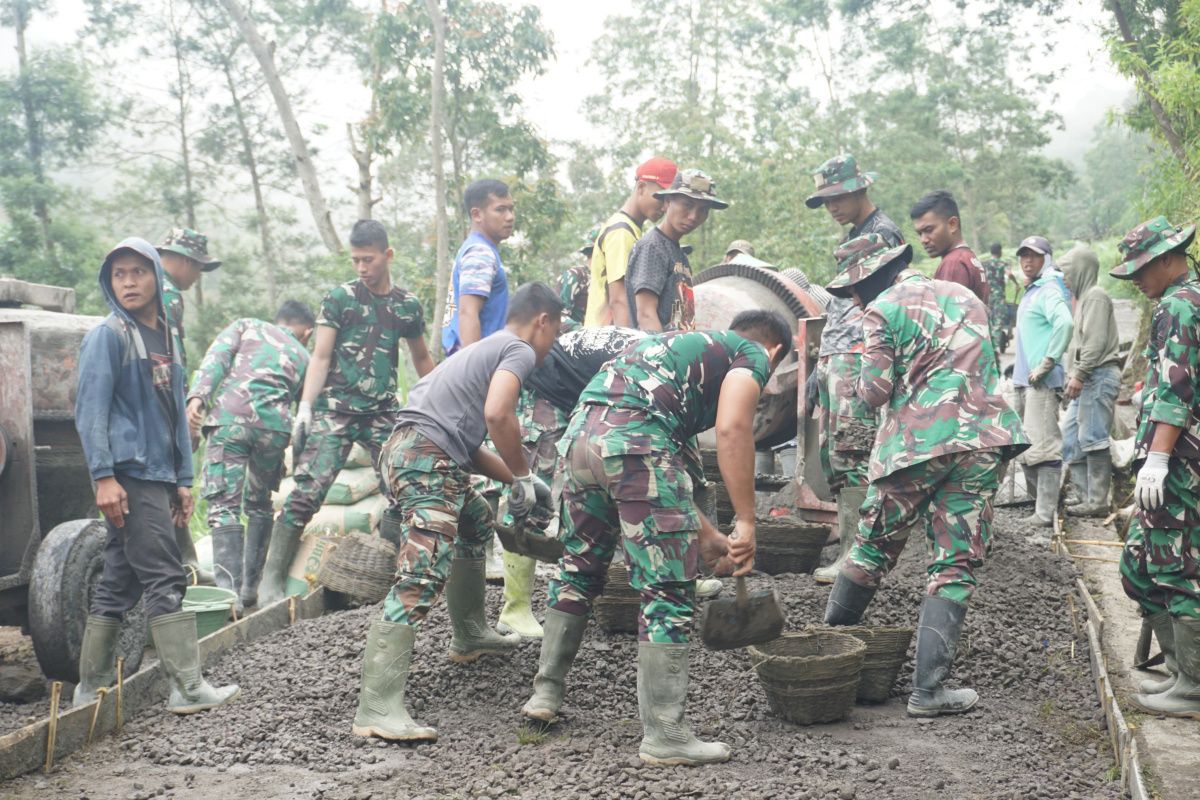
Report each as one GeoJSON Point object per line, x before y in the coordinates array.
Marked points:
{"type": "Point", "coordinates": [192, 244]}
{"type": "Point", "coordinates": [695, 184]}
{"type": "Point", "coordinates": [1147, 242]}
{"type": "Point", "coordinates": [861, 257]}
{"type": "Point", "coordinates": [837, 176]}
{"type": "Point", "coordinates": [589, 241]}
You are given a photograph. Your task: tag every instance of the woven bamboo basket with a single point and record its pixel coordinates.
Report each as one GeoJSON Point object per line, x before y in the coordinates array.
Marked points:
{"type": "Point", "coordinates": [617, 608]}
{"type": "Point", "coordinates": [362, 567]}
{"type": "Point", "coordinates": [788, 544]}
{"type": "Point", "coordinates": [887, 650]}
{"type": "Point", "coordinates": [810, 677]}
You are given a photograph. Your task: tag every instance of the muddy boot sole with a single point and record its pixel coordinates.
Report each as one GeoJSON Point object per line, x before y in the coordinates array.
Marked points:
{"type": "Point", "coordinates": [938, 711]}
{"type": "Point", "coordinates": [684, 761]}
{"type": "Point", "coordinates": [184, 711]}
{"type": "Point", "coordinates": [372, 732]}
{"type": "Point", "coordinates": [475, 655]}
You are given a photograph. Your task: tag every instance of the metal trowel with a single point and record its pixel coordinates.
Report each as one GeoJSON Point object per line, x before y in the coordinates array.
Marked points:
{"type": "Point", "coordinates": [745, 619]}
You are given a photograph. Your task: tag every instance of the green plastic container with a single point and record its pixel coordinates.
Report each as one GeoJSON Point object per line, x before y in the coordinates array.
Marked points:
{"type": "Point", "coordinates": [212, 605]}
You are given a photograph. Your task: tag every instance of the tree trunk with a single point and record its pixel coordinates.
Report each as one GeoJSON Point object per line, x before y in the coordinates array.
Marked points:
{"type": "Point", "coordinates": [1145, 83]}
{"type": "Point", "coordinates": [265, 54]}
{"type": "Point", "coordinates": [260, 207]}
{"type": "Point", "coordinates": [189, 194]}
{"type": "Point", "coordinates": [363, 156]}
{"type": "Point", "coordinates": [33, 135]}
{"type": "Point", "coordinates": [442, 257]}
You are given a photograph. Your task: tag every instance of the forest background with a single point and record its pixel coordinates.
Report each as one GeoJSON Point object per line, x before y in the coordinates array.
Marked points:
{"type": "Point", "coordinates": [271, 125]}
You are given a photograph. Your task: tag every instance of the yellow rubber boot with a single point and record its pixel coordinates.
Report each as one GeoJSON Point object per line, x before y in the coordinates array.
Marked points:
{"type": "Point", "coordinates": [517, 614]}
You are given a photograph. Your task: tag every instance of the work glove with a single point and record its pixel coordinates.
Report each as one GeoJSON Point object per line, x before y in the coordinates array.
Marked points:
{"type": "Point", "coordinates": [1039, 373]}
{"type": "Point", "coordinates": [300, 429]}
{"type": "Point", "coordinates": [811, 394]}
{"type": "Point", "coordinates": [527, 491]}
{"type": "Point", "coordinates": [1150, 479]}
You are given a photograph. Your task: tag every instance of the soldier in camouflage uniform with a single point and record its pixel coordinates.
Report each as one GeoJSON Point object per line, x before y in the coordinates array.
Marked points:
{"type": "Point", "coordinates": [242, 399]}
{"type": "Point", "coordinates": [627, 485]}
{"type": "Point", "coordinates": [573, 285]}
{"type": "Point", "coordinates": [995, 270]}
{"type": "Point", "coordinates": [938, 452]}
{"type": "Point", "coordinates": [184, 254]}
{"type": "Point", "coordinates": [846, 424]}
{"type": "Point", "coordinates": [1159, 565]}
{"type": "Point", "coordinates": [349, 390]}
{"type": "Point", "coordinates": [427, 465]}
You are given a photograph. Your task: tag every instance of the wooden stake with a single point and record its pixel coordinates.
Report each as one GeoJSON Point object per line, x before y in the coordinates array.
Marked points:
{"type": "Point", "coordinates": [291, 609]}
{"type": "Point", "coordinates": [120, 692]}
{"type": "Point", "coordinates": [1074, 619]}
{"type": "Point", "coordinates": [52, 729]}
{"type": "Point", "coordinates": [1096, 558]}
{"type": "Point", "coordinates": [100, 695]}
{"type": "Point", "coordinates": [1094, 542]}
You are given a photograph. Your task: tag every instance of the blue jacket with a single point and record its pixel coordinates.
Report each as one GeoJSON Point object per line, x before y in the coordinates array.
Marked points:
{"type": "Point", "coordinates": [495, 305]}
{"type": "Point", "coordinates": [122, 424]}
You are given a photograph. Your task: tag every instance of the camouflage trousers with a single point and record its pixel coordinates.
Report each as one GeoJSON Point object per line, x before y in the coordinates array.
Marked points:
{"type": "Point", "coordinates": [325, 453]}
{"type": "Point", "coordinates": [624, 486]}
{"type": "Point", "coordinates": [1160, 565]}
{"type": "Point", "coordinates": [442, 517]}
{"type": "Point", "coordinates": [846, 424]}
{"type": "Point", "coordinates": [953, 495]}
{"type": "Point", "coordinates": [242, 466]}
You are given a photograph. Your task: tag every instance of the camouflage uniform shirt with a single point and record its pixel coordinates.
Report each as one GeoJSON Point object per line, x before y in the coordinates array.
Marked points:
{"type": "Point", "coordinates": [675, 379]}
{"type": "Point", "coordinates": [996, 271]}
{"type": "Point", "coordinates": [251, 375]}
{"type": "Point", "coordinates": [843, 319]}
{"type": "Point", "coordinates": [1172, 391]}
{"type": "Point", "coordinates": [929, 360]}
{"type": "Point", "coordinates": [173, 303]}
{"type": "Point", "coordinates": [573, 286]}
{"type": "Point", "coordinates": [362, 374]}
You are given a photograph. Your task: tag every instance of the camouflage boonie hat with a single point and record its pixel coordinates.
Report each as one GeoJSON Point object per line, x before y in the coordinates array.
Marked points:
{"type": "Point", "coordinates": [589, 241]}
{"type": "Point", "coordinates": [859, 258]}
{"type": "Point", "coordinates": [837, 176]}
{"type": "Point", "coordinates": [740, 246]}
{"type": "Point", "coordinates": [695, 184]}
{"type": "Point", "coordinates": [1147, 242]}
{"type": "Point", "coordinates": [190, 243]}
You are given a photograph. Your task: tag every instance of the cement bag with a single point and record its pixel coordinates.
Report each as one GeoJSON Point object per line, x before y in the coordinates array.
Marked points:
{"type": "Point", "coordinates": [281, 494]}
{"type": "Point", "coordinates": [1121, 451]}
{"type": "Point", "coordinates": [328, 525]}
{"type": "Point", "coordinates": [352, 485]}
{"type": "Point", "coordinates": [359, 457]}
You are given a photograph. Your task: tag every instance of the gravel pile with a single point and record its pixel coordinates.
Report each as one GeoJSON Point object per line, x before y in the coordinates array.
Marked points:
{"type": "Point", "coordinates": [1037, 732]}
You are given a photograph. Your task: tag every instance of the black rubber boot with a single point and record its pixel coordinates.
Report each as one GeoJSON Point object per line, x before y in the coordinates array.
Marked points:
{"type": "Point", "coordinates": [389, 526]}
{"type": "Point", "coordinates": [227, 544]}
{"type": "Point", "coordinates": [254, 553]}
{"type": "Point", "coordinates": [938, 633]}
{"type": "Point", "coordinates": [847, 602]}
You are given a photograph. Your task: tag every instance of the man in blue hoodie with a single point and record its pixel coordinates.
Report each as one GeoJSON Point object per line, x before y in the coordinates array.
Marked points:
{"type": "Point", "coordinates": [130, 414]}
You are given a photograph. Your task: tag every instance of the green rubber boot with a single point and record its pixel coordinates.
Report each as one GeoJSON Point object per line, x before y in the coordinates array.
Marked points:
{"type": "Point", "coordinates": [282, 549]}
{"type": "Point", "coordinates": [381, 710]}
{"type": "Point", "coordinates": [517, 614]}
{"type": "Point", "coordinates": [97, 658]}
{"type": "Point", "coordinates": [1183, 698]}
{"type": "Point", "coordinates": [564, 633]}
{"type": "Point", "coordinates": [464, 600]}
{"type": "Point", "coordinates": [849, 504]}
{"type": "Point", "coordinates": [667, 739]}
{"type": "Point", "coordinates": [938, 632]}
{"type": "Point", "coordinates": [1048, 482]}
{"type": "Point", "coordinates": [1164, 631]}
{"type": "Point", "coordinates": [174, 638]}
{"type": "Point", "coordinates": [1077, 494]}
{"type": "Point", "coordinates": [1099, 466]}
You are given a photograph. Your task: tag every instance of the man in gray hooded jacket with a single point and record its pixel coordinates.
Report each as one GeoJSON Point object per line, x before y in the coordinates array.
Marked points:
{"type": "Point", "coordinates": [1094, 376]}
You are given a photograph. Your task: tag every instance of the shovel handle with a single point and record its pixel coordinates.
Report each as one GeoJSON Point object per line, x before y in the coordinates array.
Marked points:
{"type": "Point", "coordinates": [741, 592]}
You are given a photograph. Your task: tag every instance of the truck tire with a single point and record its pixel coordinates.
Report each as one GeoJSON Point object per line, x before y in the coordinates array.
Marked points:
{"type": "Point", "coordinates": [65, 573]}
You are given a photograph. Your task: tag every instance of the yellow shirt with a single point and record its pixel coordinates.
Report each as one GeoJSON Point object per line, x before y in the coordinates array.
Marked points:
{"type": "Point", "coordinates": [610, 256]}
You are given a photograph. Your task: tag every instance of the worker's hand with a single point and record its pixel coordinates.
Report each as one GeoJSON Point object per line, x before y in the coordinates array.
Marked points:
{"type": "Point", "coordinates": [714, 550]}
{"type": "Point", "coordinates": [112, 501]}
{"type": "Point", "coordinates": [182, 505]}
{"type": "Point", "coordinates": [1074, 387]}
{"type": "Point", "coordinates": [303, 422]}
{"type": "Point", "coordinates": [195, 414]}
{"type": "Point", "coordinates": [741, 547]}
{"type": "Point", "coordinates": [1039, 373]}
{"type": "Point", "coordinates": [525, 493]}
{"type": "Point", "coordinates": [1150, 480]}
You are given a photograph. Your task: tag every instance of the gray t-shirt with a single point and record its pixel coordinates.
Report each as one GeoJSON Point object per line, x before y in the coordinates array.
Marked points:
{"type": "Point", "coordinates": [658, 264]}
{"type": "Point", "coordinates": [446, 406]}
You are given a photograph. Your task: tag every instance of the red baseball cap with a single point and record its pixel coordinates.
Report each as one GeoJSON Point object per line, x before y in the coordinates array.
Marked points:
{"type": "Point", "coordinates": [657, 170]}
